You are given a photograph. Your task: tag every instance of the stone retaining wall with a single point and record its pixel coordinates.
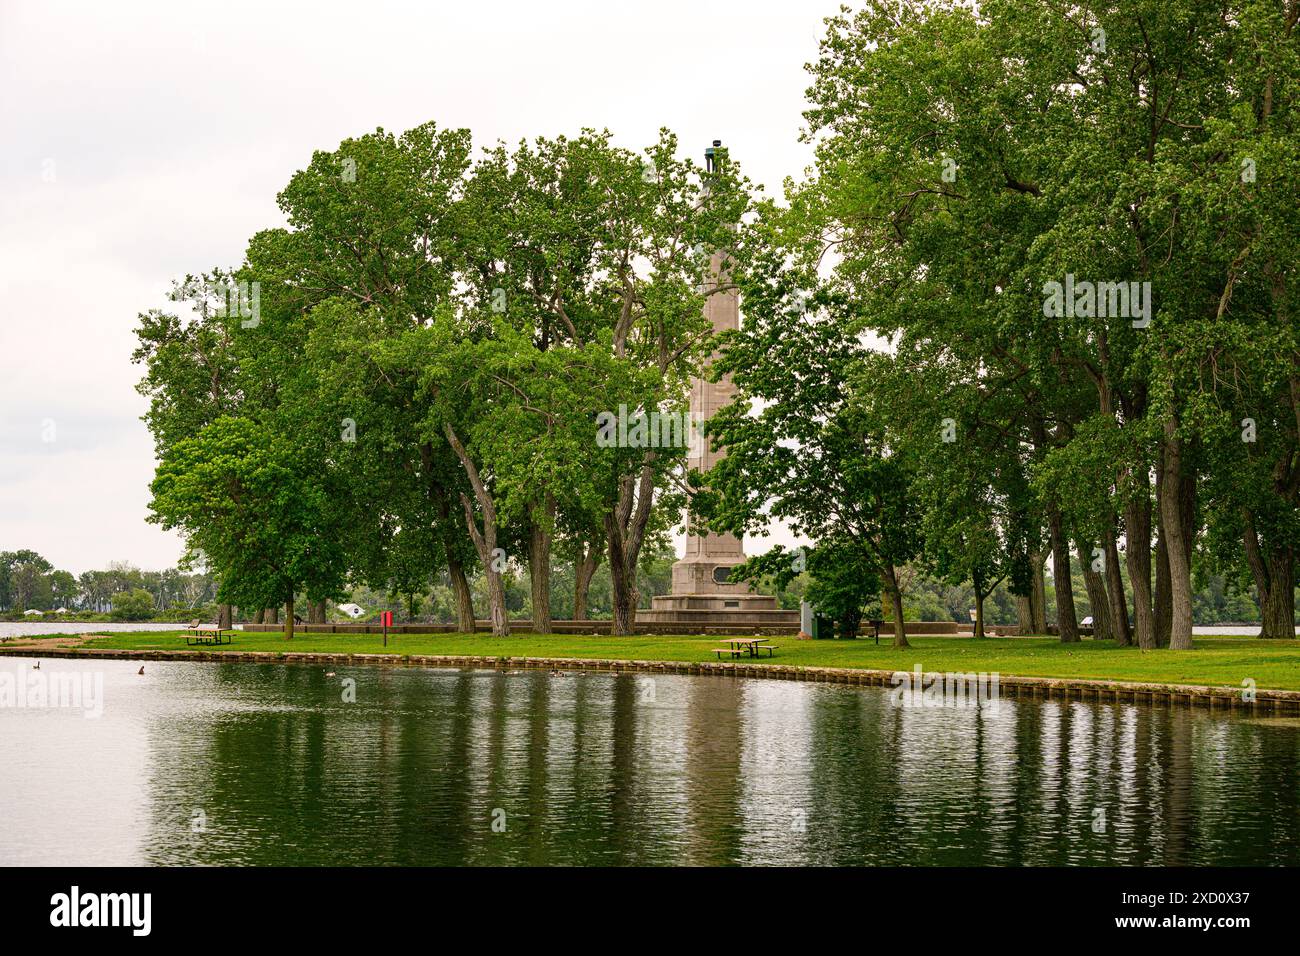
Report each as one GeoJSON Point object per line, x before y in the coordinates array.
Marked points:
{"type": "Point", "coordinates": [1280, 702]}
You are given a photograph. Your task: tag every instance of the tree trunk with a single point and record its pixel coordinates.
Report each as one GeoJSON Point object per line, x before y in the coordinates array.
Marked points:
{"type": "Point", "coordinates": [850, 624]}
{"type": "Point", "coordinates": [1066, 622]}
{"type": "Point", "coordinates": [896, 602]}
{"type": "Point", "coordinates": [539, 567]}
{"type": "Point", "coordinates": [1186, 507]}
{"type": "Point", "coordinates": [1118, 603]}
{"type": "Point", "coordinates": [1177, 549]}
{"type": "Point", "coordinates": [224, 616]}
{"type": "Point", "coordinates": [288, 619]}
{"type": "Point", "coordinates": [1164, 609]}
{"type": "Point", "coordinates": [979, 614]}
{"type": "Point", "coordinates": [485, 541]}
{"type": "Point", "coordinates": [1024, 613]}
{"type": "Point", "coordinates": [584, 568]}
{"type": "Point", "coordinates": [1137, 532]}
{"type": "Point", "coordinates": [1038, 597]}
{"type": "Point", "coordinates": [625, 526]}
{"type": "Point", "coordinates": [315, 612]}
{"type": "Point", "coordinates": [1094, 580]}
{"type": "Point", "coordinates": [496, 597]}
{"type": "Point", "coordinates": [464, 596]}
{"type": "Point", "coordinates": [1275, 580]}
{"type": "Point", "coordinates": [1277, 604]}
{"type": "Point", "coordinates": [624, 611]}
{"type": "Point", "coordinates": [497, 605]}
{"type": "Point", "coordinates": [441, 498]}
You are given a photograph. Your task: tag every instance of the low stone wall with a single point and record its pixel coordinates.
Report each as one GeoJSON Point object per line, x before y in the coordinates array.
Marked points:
{"type": "Point", "coordinates": [1267, 702]}
{"type": "Point", "coordinates": [922, 627]}
{"type": "Point", "coordinates": [1012, 630]}
{"type": "Point", "coordinates": [688, 616]}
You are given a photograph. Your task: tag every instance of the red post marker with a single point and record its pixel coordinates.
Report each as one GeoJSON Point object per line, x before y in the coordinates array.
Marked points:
{"type": "Point", "coordinates": [386, 618]}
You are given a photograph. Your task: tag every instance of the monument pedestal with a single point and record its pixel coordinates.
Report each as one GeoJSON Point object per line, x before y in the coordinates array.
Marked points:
{"type": "Point", "coordinates": [743, 610]}
{"type": "Point", "coordinates": [700, 580]}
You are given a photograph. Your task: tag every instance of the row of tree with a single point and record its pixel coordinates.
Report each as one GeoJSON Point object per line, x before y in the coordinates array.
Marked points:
{"type": "Point", "coordinates": [1034, 301]}
{"type": "Point", "coordinates": [30, 582]}
{"type": "Point", "coordinates": [407, 380]}
{"type": "Point", "coordinates": [1074, 225]}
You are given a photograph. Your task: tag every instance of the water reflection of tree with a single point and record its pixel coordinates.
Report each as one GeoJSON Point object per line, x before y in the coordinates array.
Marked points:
{"type": "Point", "coordinates": [854, 752]}
{"type": "Point", "coordinates": [714, 737]}
{"type": "Point", "coordinates": [590, 771]}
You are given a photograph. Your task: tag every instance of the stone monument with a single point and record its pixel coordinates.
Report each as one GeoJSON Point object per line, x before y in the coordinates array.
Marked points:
{"type": "Point", "coordinates": [701, 590]}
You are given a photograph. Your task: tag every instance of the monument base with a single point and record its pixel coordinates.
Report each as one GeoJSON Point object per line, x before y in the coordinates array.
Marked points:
{"type": "Point", "coordinates": [718, 610]}
{"type": "Point", "coordinates": [703, 595]}
{"type": "Point", "coordinates": [743, 603]}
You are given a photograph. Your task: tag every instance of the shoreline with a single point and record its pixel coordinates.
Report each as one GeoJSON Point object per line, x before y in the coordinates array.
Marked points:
{"type": "Point", "coordinates": [1275, 702]}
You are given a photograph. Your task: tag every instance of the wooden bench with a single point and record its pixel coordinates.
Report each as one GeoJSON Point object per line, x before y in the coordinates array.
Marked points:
{"type": "Point", "coordinates": [733, 651]}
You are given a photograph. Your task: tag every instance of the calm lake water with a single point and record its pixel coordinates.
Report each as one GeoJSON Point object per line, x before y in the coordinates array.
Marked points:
{"type": "Point", "coordinates": [267, 764]}
{"type": "Point", "coordinates": [37, 628]}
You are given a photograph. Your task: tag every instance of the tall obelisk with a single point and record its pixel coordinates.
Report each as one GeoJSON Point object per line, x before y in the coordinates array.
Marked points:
{"type": "Point", "coordinates": [700, 577]}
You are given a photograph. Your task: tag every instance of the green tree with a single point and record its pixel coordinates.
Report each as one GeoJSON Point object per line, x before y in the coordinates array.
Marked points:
{"type": "Point", "coordinates": [971, 159]}
{"type": "Point", "coordinates": [578, 244]}
{"type": "Point", "coordinates": [372, 251]}
{"type": "Point", "coordinates": [134, 605]}
{"type": "Point", "coordinates": [817, 452]}
{"type": "Point", "coordinates": [23, 574]}
{"type": "Point", "coordinates": [257, 511]}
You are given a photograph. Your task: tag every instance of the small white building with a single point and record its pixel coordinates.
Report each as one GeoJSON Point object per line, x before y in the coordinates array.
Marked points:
{"type": "Point", "coordinates": [33, 613]}
{"type": "Point", "coordinates": [353, 611]}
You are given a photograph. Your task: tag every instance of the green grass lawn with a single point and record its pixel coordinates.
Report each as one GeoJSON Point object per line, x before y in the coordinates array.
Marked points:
{"type": "Point", "coordinates": [1224, 661]}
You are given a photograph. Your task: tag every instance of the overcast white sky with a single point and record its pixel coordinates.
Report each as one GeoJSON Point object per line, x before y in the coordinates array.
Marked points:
{"type": "Point", "coordinates": [142, 141]}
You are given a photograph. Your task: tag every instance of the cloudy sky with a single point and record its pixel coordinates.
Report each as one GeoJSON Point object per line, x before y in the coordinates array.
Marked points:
{"type": "Point", "coordinates": [146, 140]}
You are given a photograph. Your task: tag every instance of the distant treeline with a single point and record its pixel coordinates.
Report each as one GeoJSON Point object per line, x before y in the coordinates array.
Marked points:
{"type": "Point", "coordinates": [29, 582]}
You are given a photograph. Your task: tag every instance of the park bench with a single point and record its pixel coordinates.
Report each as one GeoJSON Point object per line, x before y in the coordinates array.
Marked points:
{"type": "Point", "coordinates": [733, 651]}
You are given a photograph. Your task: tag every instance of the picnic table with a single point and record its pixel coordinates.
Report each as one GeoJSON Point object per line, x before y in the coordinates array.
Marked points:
{"type": "Point", "coordinates": [197, 633]}
{"type": "Point", "coordinates": [738, 646]}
